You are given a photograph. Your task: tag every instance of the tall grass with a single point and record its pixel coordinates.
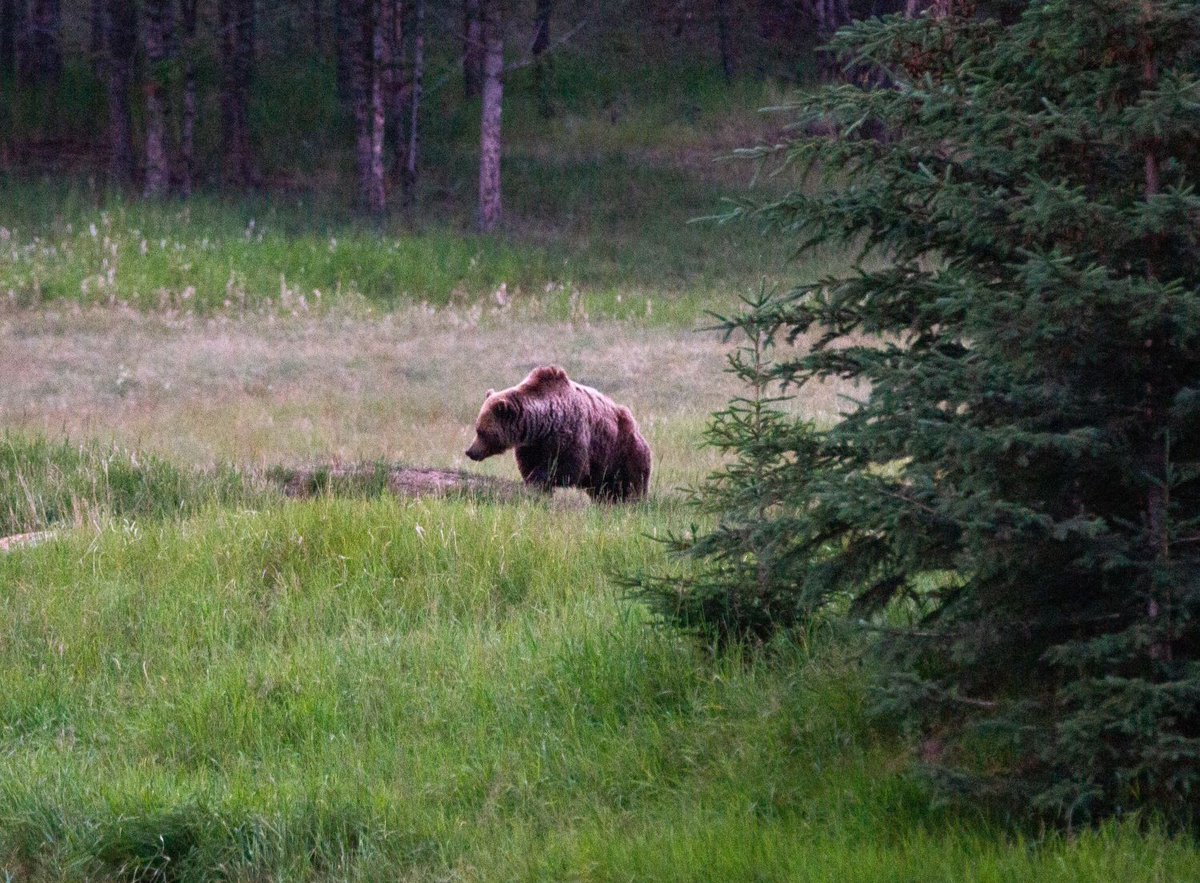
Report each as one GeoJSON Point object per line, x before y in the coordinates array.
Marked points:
{"type": "Point", "coordinates": [375, 690]}
{"type": "Point", "coordinates": [601, 239]}
{"type": "Point", "coordinates": [204, 256]}
{"type": "Point", "coordinates": [45, 484]}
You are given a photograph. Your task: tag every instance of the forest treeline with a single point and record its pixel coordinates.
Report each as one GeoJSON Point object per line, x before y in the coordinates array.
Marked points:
{"type": "Point", "coordinates": [150, 74]}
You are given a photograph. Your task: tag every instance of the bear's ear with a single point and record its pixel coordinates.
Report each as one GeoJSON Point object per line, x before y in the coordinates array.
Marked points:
{"type": "Point", "coordinates": [505, 408]}
{"type": "Point", "coordinates": [489, 394]}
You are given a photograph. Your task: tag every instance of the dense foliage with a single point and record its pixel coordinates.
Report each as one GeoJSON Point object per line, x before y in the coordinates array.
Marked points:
{"type": "Point", "coordinates": [1013, 507]}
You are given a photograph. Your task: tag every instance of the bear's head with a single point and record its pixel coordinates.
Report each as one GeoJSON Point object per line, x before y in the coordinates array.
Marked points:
{"type": "Point", "coordinates": [495, 428]}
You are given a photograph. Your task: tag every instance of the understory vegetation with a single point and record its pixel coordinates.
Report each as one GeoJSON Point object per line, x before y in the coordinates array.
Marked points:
{"type": "Point", "coordinates": [599, 205]}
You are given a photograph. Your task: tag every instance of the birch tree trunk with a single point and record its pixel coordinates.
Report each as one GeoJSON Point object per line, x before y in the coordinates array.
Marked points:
{"type": "Point", "coordinates": [472, 50]}
{"type": "Point", "coordinates": [187, 126]}
{"type": "Point", "coordinates": [489, 130]}
{"type": "Point", "coordinates": [367, 98]}
{"type": "Point", "coordinates": [939, 8]}
{"type": "Point", "coordinates": [156, 35]}
{"type": "Point", "coordinates": [378, 203]}
{"type": "Point", "coordinates": [121, 28]}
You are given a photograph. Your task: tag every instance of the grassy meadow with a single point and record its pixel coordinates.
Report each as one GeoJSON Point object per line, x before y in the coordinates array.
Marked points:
{"type": "Point", "coordinates": [205, 680]}
{"type": "Point", "coordinates": [444, 690]}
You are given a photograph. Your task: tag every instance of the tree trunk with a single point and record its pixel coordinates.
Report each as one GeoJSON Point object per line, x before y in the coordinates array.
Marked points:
{"type": "Point", "coordinates": [40, 59]}
{"type": "Point", "coordinates": [378, 116]}
{"type": "Point", "coordinates": [1158, 465]}
{"type": "Point", "coordinates": [940, 8]}
{"type": "Point", "coordinates": [397, 83]}
{"type": "Point", "coordinates": [96, 36]}
{"type": "Point", "coordinates": [237, 43]}
{"type": "Point", "coordinates": [541, 65]}
{"type": "Point", "coordinates": [359, 13]}
{"type": "Point", "coordinates": [386, 29]}
{"type": "Point", "coordinates": [317, 30]}
{"type": "Point", "coordinates": [187, 128]}
{"type": "Point", "coordinates": [411, 153]}
{"type": "Point", "coordinates": [725, 39]}
{"type": "Point", "coordinates": [489, 130]}
{"type": "Point", "coordinates": [9, 25]}
{"type": "Point", "coordinates": [156, 35]}
{"type": "Point", "coordinates": [472, 50]}
{"type": "Point", "coordinates": [343, 46]}
{"type": "Point", "coordinates": [833, 16]}
{"type": "Point", "coordinates": [828, 17]}
{"type": "Point", "coordinates": [368, 107]}
{"type": "Point", "coordinates": [121, 27]}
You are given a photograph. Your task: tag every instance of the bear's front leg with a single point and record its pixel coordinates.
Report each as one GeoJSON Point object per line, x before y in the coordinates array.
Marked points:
{"type": "Point", "coordinates": [548, 467]}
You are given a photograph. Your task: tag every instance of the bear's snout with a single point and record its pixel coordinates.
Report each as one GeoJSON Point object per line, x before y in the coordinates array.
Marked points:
{"type": "Point", "coordinates": [478, 451]}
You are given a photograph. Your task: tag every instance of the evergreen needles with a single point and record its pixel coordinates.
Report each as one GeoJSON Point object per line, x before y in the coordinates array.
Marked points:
{"type": "Point", "coordinates": [1014, 507]}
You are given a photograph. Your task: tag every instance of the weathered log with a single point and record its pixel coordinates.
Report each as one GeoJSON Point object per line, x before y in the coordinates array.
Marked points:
{"type": "Point", "coordinates": [405, 482]}
{"type": "Point", "coordinates": [23, 540]}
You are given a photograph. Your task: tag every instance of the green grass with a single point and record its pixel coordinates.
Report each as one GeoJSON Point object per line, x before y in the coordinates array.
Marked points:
{"type": "Point", "coordinates": [45, 484]}
{"type": "Point", "coordinates": [602, 239]}
{"type": "Point", "coordinates": [368, 689]}
{"type": "Point", "coordinates": [207, 256]}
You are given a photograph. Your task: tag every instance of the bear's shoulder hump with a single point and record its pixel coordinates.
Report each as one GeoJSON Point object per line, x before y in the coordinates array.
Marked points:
{"type": "Point", "coordinates": [545, 377]}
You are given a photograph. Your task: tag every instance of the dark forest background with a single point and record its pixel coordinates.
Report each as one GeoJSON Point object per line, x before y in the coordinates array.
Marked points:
{"type": "Point", "coordinates": [389, 102]}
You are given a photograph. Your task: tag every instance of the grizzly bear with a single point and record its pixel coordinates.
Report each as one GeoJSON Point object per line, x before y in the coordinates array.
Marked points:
{"type": "Point", "coordinates": [566, 435]}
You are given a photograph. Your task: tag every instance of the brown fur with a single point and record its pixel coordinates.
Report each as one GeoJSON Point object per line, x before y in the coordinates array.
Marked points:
{"type": "Point", "coordinates": [565, 435]}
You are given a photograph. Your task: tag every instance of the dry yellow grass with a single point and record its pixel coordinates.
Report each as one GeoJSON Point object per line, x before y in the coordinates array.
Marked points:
{"type": "Point", "coordinates": [404, 386]}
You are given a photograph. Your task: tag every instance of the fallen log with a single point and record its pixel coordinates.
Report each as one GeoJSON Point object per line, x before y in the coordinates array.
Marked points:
{"type": "Point", "coordinates": [358, 479]}
{"type": "Point", "coordinates": [24, 540]}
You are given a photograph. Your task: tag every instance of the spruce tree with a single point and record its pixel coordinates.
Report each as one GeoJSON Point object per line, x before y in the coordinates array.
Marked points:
{"type": "Point", "coordinates": [1013, 507]}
